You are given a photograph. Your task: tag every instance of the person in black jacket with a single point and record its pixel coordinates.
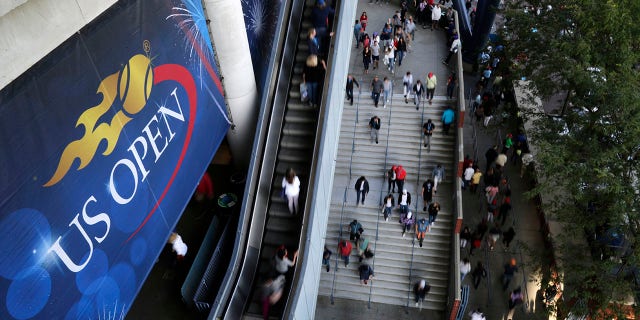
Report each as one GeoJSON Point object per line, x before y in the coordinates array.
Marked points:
{"type": "Point", "coordinates": [374, 125]}
{"type": "Point", "coordinates": [351, 80]}
{"type": "Point", "coordinates": [313, 76]}
{"type": "Point", "coordinates": [420, 289]}
{"type": "Point", "coordinates": [491, 155]}
{"type": "Point", "coordinates": [404, 201]}
{"type": "Point", "coordinates": [362, 188]}
{"type": "Point", "coordinates": [478, 273]}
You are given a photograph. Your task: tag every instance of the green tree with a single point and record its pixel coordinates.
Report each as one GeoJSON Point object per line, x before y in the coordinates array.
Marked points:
{"type": "Point", "coordinates": [587, 53]}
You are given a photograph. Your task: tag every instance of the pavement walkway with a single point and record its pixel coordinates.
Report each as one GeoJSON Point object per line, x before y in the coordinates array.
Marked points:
{"type": "Point", "coordinates": [523, 218]}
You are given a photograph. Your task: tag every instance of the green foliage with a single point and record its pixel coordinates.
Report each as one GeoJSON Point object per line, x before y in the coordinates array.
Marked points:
{"type": "Point", "coordinates": [587, 51]}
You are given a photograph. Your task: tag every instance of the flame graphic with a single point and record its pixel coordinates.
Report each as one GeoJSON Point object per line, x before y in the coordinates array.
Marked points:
{"type": "Point", "coordinates": [133, 86]}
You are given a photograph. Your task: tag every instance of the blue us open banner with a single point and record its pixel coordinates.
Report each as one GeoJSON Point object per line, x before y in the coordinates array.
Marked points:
{"type": "Point", "coordinates": [102, 145]}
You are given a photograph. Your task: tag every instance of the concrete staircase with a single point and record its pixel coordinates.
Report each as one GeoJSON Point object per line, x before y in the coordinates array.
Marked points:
{"type": "Point", "coordinates": [295, 151]}
{"type": "Point", "coordinates": [398, 262]}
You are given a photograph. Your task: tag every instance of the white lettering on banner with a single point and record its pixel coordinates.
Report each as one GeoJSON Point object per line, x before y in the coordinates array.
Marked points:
{"type": "Point", "coordinates": [137, 157]}
{"type": "Point", "coordinates": [168, 112]}
{"type": "Point", "coordinates": [112, 186]}
{"type": "Point", "coordinates": [159, 136]}
{"type": "Point", "coordinates": [101, 217]}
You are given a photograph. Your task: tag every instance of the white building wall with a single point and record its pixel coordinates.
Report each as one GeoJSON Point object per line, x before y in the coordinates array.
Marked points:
{"type": "Point", "coordinates": [30, 29]}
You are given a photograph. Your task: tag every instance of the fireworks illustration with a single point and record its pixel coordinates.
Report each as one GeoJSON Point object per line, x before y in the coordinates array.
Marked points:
{"type": "Point", "coordinates": [260, 18]}
{"type": "Point", "coordinates": [114, 314]}
{"type": "Point", "coordinates": [192, 21]}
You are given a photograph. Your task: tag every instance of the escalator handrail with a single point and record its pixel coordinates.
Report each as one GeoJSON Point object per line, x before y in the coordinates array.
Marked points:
{"type": "Point", "coordinates": [248, 211]}
{"type": "Point", "coordinates": [295, 283]}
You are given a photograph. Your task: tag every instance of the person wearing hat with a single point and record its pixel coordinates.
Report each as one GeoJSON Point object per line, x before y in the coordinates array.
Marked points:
{"type": "Point", "coordinates": [455, 46]}
{"type": "Point", "coordinates": [404, 201]}
{"type": "Point", "coordinates": [509, 270]}
{"type": "Point", "coordinates": [421, 229]}
{"type": "Point", "coordinates": [407, 221]}
{"type": "Point", "coordinates": [420, 290]}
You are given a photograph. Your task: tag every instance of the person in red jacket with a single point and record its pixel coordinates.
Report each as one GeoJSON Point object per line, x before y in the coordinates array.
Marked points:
{"type": "Point", "coordinates": [205, 188]}
{"type": "Point", "coordinates": [401, 174]}
{"type": "Point", "coordinates": [344, 247]}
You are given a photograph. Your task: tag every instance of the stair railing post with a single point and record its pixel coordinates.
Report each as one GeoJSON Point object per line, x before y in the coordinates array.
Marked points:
{"type": "Point", "coordinates": [335, 269]}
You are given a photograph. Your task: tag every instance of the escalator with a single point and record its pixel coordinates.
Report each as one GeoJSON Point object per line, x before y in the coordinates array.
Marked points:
{"type": "Point", "coordinates": [286, 138]}
{"type": "Point", "coordinates": [296, 152]}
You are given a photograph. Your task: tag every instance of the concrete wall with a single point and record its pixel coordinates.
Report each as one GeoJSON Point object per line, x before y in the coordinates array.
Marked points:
{"type": "Point", "coordinates": [30, 29]}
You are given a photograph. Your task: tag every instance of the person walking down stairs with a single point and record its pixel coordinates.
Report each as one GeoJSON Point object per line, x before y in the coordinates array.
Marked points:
{"type": "Point", "coordinates": [427, 193]}
{"type": "Point", "coordinates": [433, 211]}
{"type": "Point", "coordinates": [420, 291]}
{"type": "Point", "coordinates": [432, 82]}
{"type": "Point", "coordinates": [366, 273]}
{"type": "Point", "coordinates": [374, 126]}
{"type": "Point", "coordinates": [326, 258]}
{"type": "Point", "coordinates": [404, 201]}
{"type": "Point", "coordinates": [407, 220]}
{"type": "Point", "coordinates": [362, 189]}
{"type": "Point", "coordinates": [344, 248]}
{"type": "Point", "coordinates": [387, 206]}
{"type": "Point", "coordinates": [438, 176]}
{"type": "Point", "coordinates": [355, 230]}
{"type": "Point", "coordinates": [421, 230]}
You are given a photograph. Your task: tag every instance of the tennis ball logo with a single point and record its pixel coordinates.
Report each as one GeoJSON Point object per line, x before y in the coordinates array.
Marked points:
{"type": "Point", "coordinates": [136, 81]}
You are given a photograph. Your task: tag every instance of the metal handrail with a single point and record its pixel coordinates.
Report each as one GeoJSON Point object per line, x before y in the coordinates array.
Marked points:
{"type": "Point", "coordinates": [305, 229]}
{"type": "Point", "coordinates": [386, 156]}
{"type": "Point", "coordinates": [344, 198]}
{"type": "Point", "coordinates": [454, 287]}
{"type": "Point", "coordinates": [233, 282]}
{"type": "Point", "coordinates": [413, 242]}
{"type": "Point", "coordinates": [335, 269]}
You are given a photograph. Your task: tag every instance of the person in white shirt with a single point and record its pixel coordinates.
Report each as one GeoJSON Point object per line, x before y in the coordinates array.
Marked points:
{"type": "Point", "coordinates": [468, 174]}
{"type": "Point", "coordinates": [375, 53]}
{"type": "Point", "coordinates": [455, 46]}
{"type": "Point", "coordinates": [438, 176]}
{"type": "Point", "coordinates": [178, 246]}
{"type": "Point", "coordinates": [282, 261]}
{"type": "Point", "coordinates": [291, 186]}
{"type": "Point", "coordinates": [436, 13]}
{"type": "Point", "coordinates": [477, 315]}
{"type": "Point", "coordinates": [465, 267]}
{"type": "Point", "coordinates": [407, 82]}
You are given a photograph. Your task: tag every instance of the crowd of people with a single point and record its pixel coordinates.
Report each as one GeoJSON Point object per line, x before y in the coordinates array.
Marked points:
{"type": "Point", "coordinates": [391, 44]}
{"type": "Point", "coordinates": [388, 48]}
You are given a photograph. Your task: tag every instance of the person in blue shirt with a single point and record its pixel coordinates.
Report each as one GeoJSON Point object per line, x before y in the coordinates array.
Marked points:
{"type": "Point", "coordinates": [357, 32]}
{"type": "Point", "coordinates": [447, 119]}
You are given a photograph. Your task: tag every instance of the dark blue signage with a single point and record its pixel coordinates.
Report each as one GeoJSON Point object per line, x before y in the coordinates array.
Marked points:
{"type": "Point", "coordinates": [102, 144]}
